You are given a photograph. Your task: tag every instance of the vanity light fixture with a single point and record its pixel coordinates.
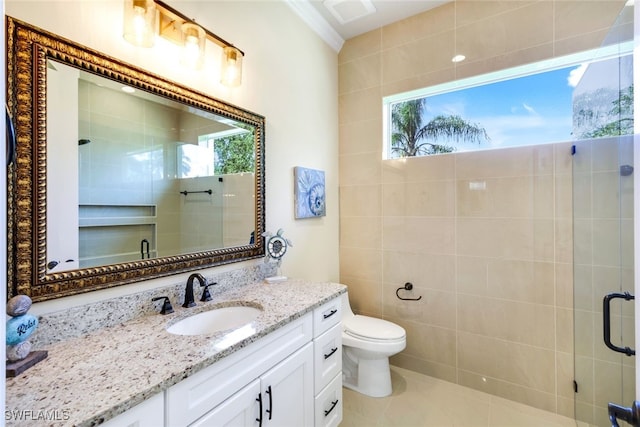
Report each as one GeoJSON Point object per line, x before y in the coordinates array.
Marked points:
{"type": "Point", "coordinates": [192, 45]}
{"type": "Point", "coordinates": [144, 19]}
{"type": "Point", "coordinates": [231, 67]}
{"type": "Point", "coordinates": [140, 22]}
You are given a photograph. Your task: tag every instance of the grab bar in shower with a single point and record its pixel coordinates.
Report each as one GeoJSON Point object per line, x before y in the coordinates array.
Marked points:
{"type": "Point", "coordinates": [185, 192]}
{"type": "Point", "coordinates": [606, 314]}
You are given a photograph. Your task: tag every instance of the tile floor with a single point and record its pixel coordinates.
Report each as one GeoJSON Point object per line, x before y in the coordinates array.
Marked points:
{"type": "Point", "coordinates": [420, 400]}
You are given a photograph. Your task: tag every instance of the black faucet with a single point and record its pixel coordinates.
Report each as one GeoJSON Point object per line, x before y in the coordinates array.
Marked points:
{"type": "Point", "coordinates": [189, 300]}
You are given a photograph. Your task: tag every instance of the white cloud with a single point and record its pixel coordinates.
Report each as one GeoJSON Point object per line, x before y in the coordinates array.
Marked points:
{"type": "Point", "coordinates": [529, 109]}
{"type": "Point", "coordinates": [576, 74]}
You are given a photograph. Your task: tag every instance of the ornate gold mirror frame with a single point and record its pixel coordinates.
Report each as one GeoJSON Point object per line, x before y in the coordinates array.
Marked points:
{"type": "Point", "coordinates": [28, 50]}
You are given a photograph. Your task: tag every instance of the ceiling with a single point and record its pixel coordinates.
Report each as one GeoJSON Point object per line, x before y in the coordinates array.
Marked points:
{"type": "Point", "coordinates": [339, 20]}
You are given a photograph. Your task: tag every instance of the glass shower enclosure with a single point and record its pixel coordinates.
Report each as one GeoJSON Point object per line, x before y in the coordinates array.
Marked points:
{"type": "Point", "coordinates": [603, 230]}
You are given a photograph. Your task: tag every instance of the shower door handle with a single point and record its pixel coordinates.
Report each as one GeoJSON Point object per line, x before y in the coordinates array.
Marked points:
{"type": "Point", "coordinates": [629, 414]}
{"type": "Point", "coordinates": [606, 314]}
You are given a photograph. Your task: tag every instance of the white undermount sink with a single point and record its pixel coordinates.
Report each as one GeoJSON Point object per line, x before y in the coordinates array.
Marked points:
{"type": "Point", "coordinates": [215, 320]}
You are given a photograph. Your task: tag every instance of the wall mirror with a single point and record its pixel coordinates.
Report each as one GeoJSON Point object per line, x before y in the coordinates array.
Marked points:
{"type": "Point", "coordinates": [121, 175]}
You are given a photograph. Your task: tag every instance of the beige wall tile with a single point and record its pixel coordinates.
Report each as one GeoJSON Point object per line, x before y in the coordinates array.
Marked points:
{"type": "Point", "coordinates": [360, 169]}
{"type": "Point", "coordinates": [583, 368]}
{"type": "Point", "coordinates": [563, 195]}
{"type": "Point", "coordinates": [431, 272]}
{"type": "Point", "coordinates": [515, 197]}
{"type": "Point", "coordinates": [418, 57]}
{"type": "Point", "coordinates": [419, 169]}
{"type": "Point", "coordinates": [431, 198]}
{"type": "Point", "coordinates": [520, 161]}
{"type": "Point", "coordinates": [419, 26]}
{"type": "Point", "coordinates": [524, 281]}
{"type": "Point", "coordinates": [361, 262]}
{"type": "Point", "coordinates": [505, 238]}
{"type": "Point", "coordinates": [583, 290]}
{"type": "Point", "coordinates": [564, 285]}
{"type": "Point", "coordinates": [564, 330]}
{"type": "Point", "coordinates": [607, 377]}
{"type": "Point", "coordinates": [361, 232]}
{"type": "Point", "coordinates": [361, 137]}
{"type": "Point", "coordinates": [359, 74]}
{"type": "Point", "coordinates": [437, 308]}
{"type": "Point", "coordinates": [532, 324]}
{"type": "Point", "coordinates": [606, 242]}
{"type": "Point", "coordinates": [365, 295]}
{"type": "Point", "coordinates": [360, 105]}
{"type": "Point", "coordinates": [424, 79]}
{"type": "Point", "coordinates": [427, 367]}
{"type": "Point", "coordinates": [360, 200]}
{"type": "Point", "coordinates": [474, 67]}
{"type": "Point", "coordinates": [565, 370]}
{"type": "Point", "coordinates": [565, 242]}
{"type": "Point", "coordinates": [428, 342]}
{"type": "Point", "coordinates": [362, 45]}
{"type": "Point", "coordinates": [507, 361]}
{"type": "Point", "coordinates": [419, 234]}
{"type": "Point", "coordinates": [510, 31]}
{"type": "Point", "coordinates": [578, 17]}
{"type": "Point", "coordinates": [584, 333]}
{"type": "Point", "coordinates": [472, 275]}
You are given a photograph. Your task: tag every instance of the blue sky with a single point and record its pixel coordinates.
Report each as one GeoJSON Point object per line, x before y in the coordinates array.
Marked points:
{"type": "Point", "coordinates": [522, 111]}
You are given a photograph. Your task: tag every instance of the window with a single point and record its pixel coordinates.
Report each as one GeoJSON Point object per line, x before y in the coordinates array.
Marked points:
{"type": "Point", "coordinates": [572, 98]}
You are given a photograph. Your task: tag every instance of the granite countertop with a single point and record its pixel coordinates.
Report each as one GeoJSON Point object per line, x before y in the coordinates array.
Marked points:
{"type": "Point", "coordinates": [88, 380]}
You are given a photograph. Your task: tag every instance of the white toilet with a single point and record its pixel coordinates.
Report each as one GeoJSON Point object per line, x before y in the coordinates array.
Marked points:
{"type": "Point", "coordinates": [367, 344]}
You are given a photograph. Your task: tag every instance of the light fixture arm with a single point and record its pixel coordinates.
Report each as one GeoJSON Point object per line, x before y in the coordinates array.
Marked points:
{"type": "Point", "coordinates": [174, 15]}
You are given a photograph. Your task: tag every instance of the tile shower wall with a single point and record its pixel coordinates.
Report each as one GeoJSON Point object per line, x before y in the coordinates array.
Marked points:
{"type": "Point", "coordinates": [485, 237]}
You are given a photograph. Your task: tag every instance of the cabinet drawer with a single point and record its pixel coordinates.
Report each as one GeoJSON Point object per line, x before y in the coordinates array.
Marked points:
{"type": "Point", "coordinates": [196, 395]}
{"type": "Point", "coordinates": [327, 358]}
{"type": "Point", "coordinates": [328, 405]}
{"type": "Point", "coordinates": [327, 315]}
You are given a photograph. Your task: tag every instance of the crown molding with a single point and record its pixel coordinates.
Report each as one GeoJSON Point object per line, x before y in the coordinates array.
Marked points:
{"type": "Point", "coordinates": [316, 22]}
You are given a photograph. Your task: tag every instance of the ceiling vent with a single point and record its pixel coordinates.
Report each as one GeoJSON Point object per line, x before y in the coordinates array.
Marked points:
{"type": "Point", "coordinates": [349, 10]}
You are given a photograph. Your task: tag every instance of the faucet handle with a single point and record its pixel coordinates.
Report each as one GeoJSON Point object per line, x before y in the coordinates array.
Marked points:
{"type": "Point", "coordinates": [206, 296]}
{"type": "Point", "coordinates": [166, 305]}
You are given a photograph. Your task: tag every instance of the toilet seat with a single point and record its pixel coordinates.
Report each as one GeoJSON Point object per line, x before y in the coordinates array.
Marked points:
{"type": "Point", "coordinates": [373, 329]}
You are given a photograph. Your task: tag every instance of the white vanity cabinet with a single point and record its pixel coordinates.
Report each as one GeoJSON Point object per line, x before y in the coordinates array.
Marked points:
{"type": "Point", "coordinates": [278, 369]}
{"type": "Point", "coordinates": [283, 396]}
{"type": "Point", "coordinates": [290, 377]}
{"type": "Point", "coordinates": [327, 348]}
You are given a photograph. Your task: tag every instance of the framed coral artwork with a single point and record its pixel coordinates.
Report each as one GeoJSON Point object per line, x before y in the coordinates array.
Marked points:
{"type": "Point", "coordinates": [309, 193]}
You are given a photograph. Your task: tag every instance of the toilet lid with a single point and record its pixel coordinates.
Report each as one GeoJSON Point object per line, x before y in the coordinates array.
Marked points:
{"type": "Point", "coordinates": [373, 328]}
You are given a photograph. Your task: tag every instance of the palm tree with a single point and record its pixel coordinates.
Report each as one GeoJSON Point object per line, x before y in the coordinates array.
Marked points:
{"type": "Point", "coordinates": [410, 138]}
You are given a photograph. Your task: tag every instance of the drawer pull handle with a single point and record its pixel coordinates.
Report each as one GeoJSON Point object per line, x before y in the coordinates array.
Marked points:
{"type": "Point", "coordinates": [270, 410]}
{"type": "Point", "coordinates": [259, 400]}
{"type": "Point", "coordinates": [333, 405]}
{"type": "Point", "coordinates": [331, 313]}
{"type": "Point", "coordinates": [333, 350]}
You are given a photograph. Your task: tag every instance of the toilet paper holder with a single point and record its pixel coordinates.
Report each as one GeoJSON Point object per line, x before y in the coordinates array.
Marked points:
{"type": "Point", "coordinates": [407, 287]}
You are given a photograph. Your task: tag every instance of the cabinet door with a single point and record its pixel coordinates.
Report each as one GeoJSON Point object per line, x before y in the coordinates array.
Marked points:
{"type": "Point", "coordinates": [149, 413]}
{"type": "Point", "coordinates": [287, 391]}
{"type": "Point", "coordinates": [240, 410]}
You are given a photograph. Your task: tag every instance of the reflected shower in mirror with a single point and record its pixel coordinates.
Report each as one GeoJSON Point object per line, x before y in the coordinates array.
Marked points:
{"type": "Point", "coordinates": [150, 177]}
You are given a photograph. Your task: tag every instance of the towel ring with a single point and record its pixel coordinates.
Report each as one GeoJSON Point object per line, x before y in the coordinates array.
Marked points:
{"type": "Point", "coordinates": [407, 287]}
